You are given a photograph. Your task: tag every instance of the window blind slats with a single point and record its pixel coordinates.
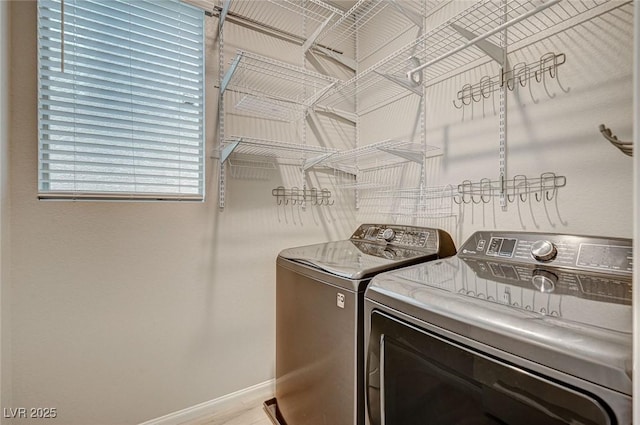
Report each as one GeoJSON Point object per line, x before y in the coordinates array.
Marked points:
{"type": "Point", "coordinates": [96, 139]}
{"type": "Point", "coordinates": [121, 100]}
{"type": "Point", "coordinates": [122, 151]}
{"type": "Point", "coordinates": [100, 105]}
{"type": "Point", "coordinates": [82, 119]}
{"type": "Point", "coordinates": [102, 54]}
{"type": "Point", "coordinates": [86, 88]}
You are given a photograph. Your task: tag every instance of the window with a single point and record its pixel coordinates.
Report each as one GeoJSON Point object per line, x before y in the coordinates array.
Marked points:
{"type": "Point", "coordinates": [121, 99]}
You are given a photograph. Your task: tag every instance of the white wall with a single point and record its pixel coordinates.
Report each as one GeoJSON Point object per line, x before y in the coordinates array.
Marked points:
{"type": "Point", "coordinates": [5, 346]}
{"type": "Point", "coordinates": [124, 312]}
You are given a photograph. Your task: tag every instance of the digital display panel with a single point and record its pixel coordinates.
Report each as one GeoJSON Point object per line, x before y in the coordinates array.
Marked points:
{"type": "Point", "coordinates": [506, 249]}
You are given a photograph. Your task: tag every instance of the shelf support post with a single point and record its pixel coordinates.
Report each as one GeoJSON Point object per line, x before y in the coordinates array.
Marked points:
{"type": "Point", "coordinates": [503, 114]}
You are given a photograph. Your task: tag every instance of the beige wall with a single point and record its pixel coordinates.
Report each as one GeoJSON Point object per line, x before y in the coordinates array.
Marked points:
{"type": "Point", "coordinates": [5, 331]}
{"type": "Point", "coordinates": [124, 312]}
{"type": "Point", "coordinates": [547, 132]}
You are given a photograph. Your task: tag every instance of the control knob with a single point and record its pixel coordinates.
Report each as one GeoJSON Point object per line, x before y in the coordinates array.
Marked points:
{"type": "Point", "coordinates": [388, 234]}
{"type": "Point", "coordinates": [544, 250]}
{"type": "Point", "coordinates": [544, 281]}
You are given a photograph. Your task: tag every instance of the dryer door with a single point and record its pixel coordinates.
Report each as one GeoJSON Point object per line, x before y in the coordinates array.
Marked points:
{"type": "Point", "coordinates": [415, 377]}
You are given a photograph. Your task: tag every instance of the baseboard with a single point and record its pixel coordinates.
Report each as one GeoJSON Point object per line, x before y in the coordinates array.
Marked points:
{"type": "Point", "coordinates": [262, 391]}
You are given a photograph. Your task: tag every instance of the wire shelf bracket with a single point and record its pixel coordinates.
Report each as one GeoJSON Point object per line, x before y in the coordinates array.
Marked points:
{"type": "Point", "coordinates": [223, 13]}
{"type": "Point", "coordinates": [495, 52]}
{"type": "Point", "coordinates": [227, 150]}
{"type": "Point", "coordinates": [229, 75]}
{"type": "Point", "coordinates": [410, 15]}
{"type": "Point", "coordinates": [312, 39]}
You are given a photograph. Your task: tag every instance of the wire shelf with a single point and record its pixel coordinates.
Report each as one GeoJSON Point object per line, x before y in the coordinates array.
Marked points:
{"type": "Point", "coordinates": [288, 15]}
{"type": "Point", "coordinates": [383, 154]}
{"type": "Point", "coordinates": [272, 80]}
{"type": "Point", "coordinates": [444, 50]}
{"type": "Point", "coordinates": [248, 168]}
{"type": "Point", "coordinates": [364, 21]}
{"type": "Point", "coordinates": [276, 151]}
{"type": "Point", "coordinates": [269, 108]}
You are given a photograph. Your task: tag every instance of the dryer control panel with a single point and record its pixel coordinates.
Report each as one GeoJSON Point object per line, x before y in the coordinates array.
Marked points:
{"type": "Point", "coordinates": [585, 253]}
{"type": "Point", "coordinates": [414, 237]}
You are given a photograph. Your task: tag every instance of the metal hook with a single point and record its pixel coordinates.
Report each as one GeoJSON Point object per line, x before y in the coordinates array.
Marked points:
{"type": "Point", "coordinates": [280, 193]}
{"type": "Point", "coordinates": [485, 184]}
{"type": "Point", "coordinates": [464, 98]}
{"type": "Point", "coordinates": [557, 63]}
{"type": "Point", "coordinates": [326, 195]}
{"type": "Point", "coordinates": [548, 177]}
{"type": "Point", "coordinates": [549, 57]}
{"type": "Point", "coordinates": [484, 82]}
{"type": "Point", "coordinates": [456, 196]}
{"type": "Point", "coordinates": [520, 180]}
{"type": "Point", "coordinates": [508, 79]}
{"type": "Point", "coordinates": [519, 70]}
{"type": "Point", "coordinates": [544, 59]}
{"type": "Point", "coordinates": [461, 189]}
{"type": "Point", "coordinates": [473, 97]}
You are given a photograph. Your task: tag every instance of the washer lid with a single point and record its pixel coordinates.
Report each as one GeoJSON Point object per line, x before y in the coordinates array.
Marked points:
{"type": "Point", "coordinates": [576, 323]}
{"type": "Point", "coordinates": [356, 259]}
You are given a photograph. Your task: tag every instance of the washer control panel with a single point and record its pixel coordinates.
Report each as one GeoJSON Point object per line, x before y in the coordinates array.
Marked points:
{"type": "Point", "coordinates": [588, 253]}
{"type": "Point", "coordinates": [406, 236]}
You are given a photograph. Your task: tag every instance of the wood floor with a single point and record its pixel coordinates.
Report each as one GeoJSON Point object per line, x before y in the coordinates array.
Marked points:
{"type": "Point", "coordinates": [247, 413]}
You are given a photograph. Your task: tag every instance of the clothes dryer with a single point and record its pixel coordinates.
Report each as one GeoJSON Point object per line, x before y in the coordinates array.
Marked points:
{"type": "Point", "coordinates": [319, 318]}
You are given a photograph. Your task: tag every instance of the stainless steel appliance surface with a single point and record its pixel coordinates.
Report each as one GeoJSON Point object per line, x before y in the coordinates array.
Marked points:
{"type": "Point", "coordinates": [517, 328]}
{"type": "Point", "coordinates": [319, 319]}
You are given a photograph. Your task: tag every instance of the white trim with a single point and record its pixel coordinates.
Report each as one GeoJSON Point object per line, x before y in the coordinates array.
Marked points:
{"type": "Point", "coordinates": [262, 391]}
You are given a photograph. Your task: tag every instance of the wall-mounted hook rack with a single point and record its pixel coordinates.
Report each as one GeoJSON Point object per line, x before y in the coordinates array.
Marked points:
{"type": "Point", "coordinates": [625, 147]}
{"type": "Point", "coordinates": [543, 188]}
{"type": "Point", "coordinates": [518, 76]}
{"type": "Point", "coordinates": [302, 197]}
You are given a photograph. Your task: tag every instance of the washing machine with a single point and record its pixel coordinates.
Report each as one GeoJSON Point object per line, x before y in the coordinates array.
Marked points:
{"type": "Point", "coordinates": [319, 318]}
{"type": "Point", "coordinates": [517, 328]}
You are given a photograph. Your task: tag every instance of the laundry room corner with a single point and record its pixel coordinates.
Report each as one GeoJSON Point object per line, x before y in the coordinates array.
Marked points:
{"type": "Point", "coordinates": [122, 312]}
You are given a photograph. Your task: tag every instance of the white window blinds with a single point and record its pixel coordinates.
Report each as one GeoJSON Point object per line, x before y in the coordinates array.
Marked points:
{"type": "Point", "coordinates": [121, 99]}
